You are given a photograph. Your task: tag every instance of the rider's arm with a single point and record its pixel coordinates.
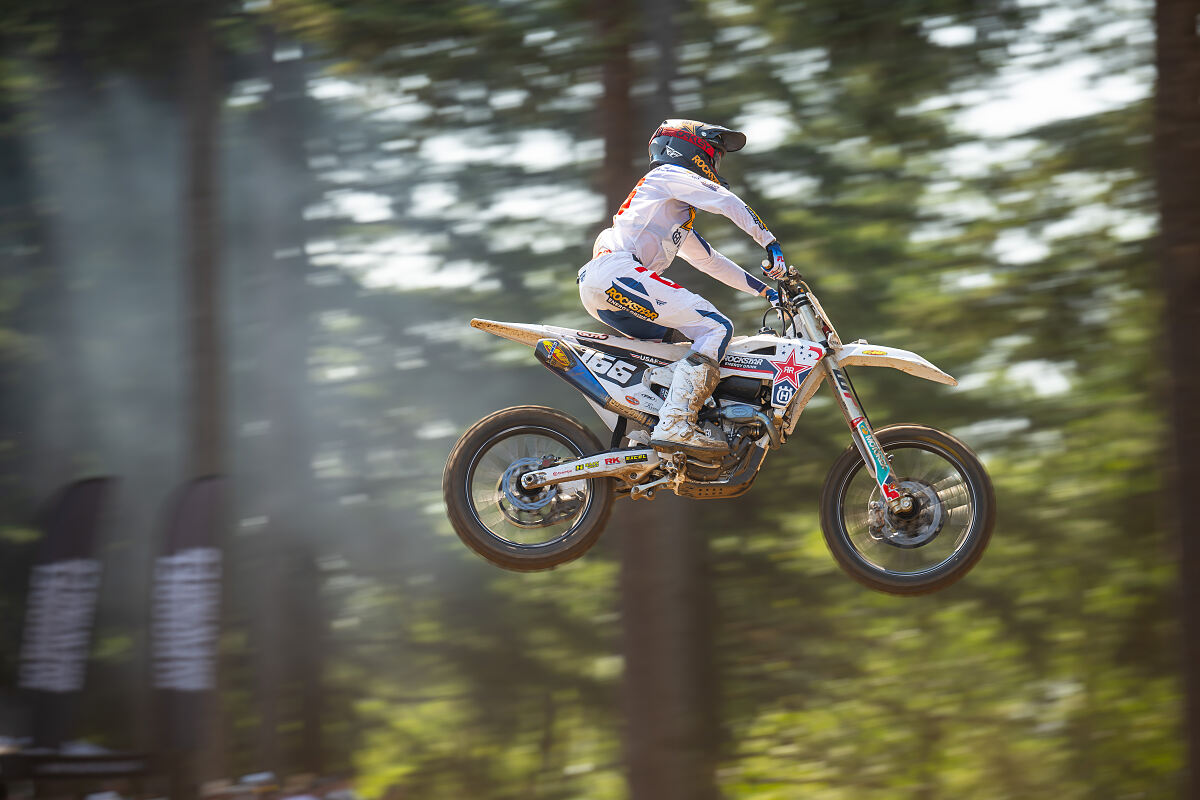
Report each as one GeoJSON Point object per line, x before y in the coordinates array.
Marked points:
{"type": "Point", "coordinates": [701, 193]}
{"type": "Point", "coordinates": [701, 255]}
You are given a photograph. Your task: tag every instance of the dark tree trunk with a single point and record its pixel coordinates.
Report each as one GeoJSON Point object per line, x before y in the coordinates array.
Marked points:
{"type": "Point", "coordinates": [206, 394]}
{"type": "Point", "coordinates": [64, 426]}
{"type": "Point", "coordinates": [669, 696]}
{"type": "Point", "coordinates": [205, 384]}
{"type": "Point", "coordinates": [664, 34]}
{"type": "Point", "coordinates": [669, 685]}
{"type": "Point", "coordinates": [1177, 165]}
{"type": "Point", "coordinates": [617, 117]}
{"type": "Point", "coordinates": [286, 659]}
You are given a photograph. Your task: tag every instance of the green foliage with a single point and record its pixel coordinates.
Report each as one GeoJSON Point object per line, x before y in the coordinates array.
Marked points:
{"type": "Point", "coordinates": [447, 170]}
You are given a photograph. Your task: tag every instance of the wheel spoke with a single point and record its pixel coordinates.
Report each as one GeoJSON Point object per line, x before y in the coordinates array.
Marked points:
{"type": "Point", "coordinates": [925, 541]}
{"type": "Point", "coordinates": [495, 473]}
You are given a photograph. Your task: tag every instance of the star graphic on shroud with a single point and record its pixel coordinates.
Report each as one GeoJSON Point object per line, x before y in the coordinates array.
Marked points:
{"type": "Point", "coordinates": [789, 370]}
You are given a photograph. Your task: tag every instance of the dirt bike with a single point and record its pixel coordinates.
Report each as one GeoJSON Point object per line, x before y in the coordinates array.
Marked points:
{"type": "Point", "coordinates": [906, 509]}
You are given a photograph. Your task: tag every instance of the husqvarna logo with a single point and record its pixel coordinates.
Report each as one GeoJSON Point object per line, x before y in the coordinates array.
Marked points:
{"type": "Point", "coordinates": [619, 298]}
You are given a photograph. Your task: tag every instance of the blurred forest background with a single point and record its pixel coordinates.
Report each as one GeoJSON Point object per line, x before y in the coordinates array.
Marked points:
{"type": "Point", "coordinates": [247, 239]}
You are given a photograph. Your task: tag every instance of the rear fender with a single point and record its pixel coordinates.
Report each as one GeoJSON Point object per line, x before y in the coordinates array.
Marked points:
{"type": "Point", "coordinates": [519, 332]}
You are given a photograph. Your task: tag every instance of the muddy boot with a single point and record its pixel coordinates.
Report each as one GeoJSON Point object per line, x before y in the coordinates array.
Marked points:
{"type": "Point", "coordinates": [695, 378]}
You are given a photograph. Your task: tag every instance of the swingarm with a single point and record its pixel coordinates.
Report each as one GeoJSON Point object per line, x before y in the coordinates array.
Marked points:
{"type": "Point", "coordinates": [628, 465]}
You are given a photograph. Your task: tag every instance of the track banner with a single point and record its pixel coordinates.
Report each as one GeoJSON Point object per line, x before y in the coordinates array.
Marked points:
{"type": "Point", "coordinates": [61, 607]}
{"type": "Point", "coordinates": [186, 611]}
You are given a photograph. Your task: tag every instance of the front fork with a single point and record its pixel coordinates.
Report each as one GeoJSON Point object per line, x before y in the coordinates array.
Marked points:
{"type": "Point", "coordinates": [864, 438]}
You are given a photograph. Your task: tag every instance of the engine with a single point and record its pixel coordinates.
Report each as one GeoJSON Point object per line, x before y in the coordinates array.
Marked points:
{"type": "Point", "coordinates": [745, 422]}
{"type": "Point", "coordinates": [743, 425]}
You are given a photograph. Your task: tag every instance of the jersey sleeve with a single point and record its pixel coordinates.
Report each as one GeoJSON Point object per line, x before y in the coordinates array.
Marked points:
{"type": "Point", "coordinates": [701, 255]}
{"type": "Point", "coordinates": [690, 188]}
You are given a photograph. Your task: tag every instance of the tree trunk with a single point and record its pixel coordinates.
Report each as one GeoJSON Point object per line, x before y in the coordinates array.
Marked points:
{"type": "Point", "coordinates": [1177, 166]}
{"type": "Point", "coordinates": [201, 232]}
{"type": "Point", "coordinates": [617, 117]}
{"type": "Point", "coordinates": [668, 693]}
{"type": "Point", "coordinates": [285, 659]}
{"type": "Point", "coordinates": [669, 683]}
{"type": "Point", "coordinates": [660, 18]}
{"type": "Point", "coordinates": [289, 329]}
{"type": "Point", "coordinates": [205, 441]}
{"type": "Point", "coordinates": [64, 426]}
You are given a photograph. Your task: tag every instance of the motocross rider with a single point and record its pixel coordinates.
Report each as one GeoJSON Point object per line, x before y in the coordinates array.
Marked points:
{"type": "Point", "coordinates": [622, 285]}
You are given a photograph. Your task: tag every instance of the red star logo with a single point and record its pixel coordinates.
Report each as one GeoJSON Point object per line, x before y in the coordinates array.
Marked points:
{"type": "Point", "coordinates": [789, 370]}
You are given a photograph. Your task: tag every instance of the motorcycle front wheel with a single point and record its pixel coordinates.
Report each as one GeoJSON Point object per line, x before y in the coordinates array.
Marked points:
{"type": "Point", "coordinates": [925, 550]}
{"type": "Point", "coordinates": [496, 517]}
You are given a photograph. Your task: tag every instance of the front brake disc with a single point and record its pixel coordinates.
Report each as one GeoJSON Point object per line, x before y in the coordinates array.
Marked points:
{"type": "Point", "coordinates": [908, 532]}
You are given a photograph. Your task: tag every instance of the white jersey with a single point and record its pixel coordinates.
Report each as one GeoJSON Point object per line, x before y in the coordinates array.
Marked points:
{"type": "Point", "coordinates": [654, 224]}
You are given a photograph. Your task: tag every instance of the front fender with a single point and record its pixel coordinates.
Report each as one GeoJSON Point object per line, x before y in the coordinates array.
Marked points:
{"type": "Point", "coordinates": [863, 354]}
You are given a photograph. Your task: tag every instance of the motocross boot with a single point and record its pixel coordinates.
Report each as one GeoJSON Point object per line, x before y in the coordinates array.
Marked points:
{"type": "Point", "coordinates": [694, 380]}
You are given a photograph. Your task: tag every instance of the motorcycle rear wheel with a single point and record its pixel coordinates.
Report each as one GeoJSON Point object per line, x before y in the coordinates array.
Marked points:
{"type": "Point", "coordinates": [933, 547]}
{"type": "Point", "coordinates": [510, 527]}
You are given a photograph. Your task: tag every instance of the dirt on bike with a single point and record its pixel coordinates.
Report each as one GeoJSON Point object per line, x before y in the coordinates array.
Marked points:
{"type": "Point", "coordinates": [906, 509]}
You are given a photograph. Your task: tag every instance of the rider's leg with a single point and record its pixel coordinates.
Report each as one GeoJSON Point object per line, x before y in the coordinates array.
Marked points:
{"type": "Point", "coordinates": [642, 304]}
{"type": "Point", "coordinates": [614, 293]}
{"type": "Point", "coordinates": [694, 380]}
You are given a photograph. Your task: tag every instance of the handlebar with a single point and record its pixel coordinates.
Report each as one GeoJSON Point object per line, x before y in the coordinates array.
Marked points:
{"type": "Point", "coordinates": [793, 281]}
{"type": "Point", "coordinates": [797, 299]}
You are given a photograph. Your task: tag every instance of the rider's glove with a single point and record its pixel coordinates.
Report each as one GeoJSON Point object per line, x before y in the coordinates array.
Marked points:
{"type": "Point", "coordinates": [772, 297]}
{"type": "Point", "coordinates": [774, 265]}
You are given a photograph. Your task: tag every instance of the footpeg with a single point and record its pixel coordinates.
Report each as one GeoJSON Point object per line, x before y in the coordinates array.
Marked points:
{"type": "Point", "coordinates": [675, 464]}
{"type": "Point", "coordinates": [646, 491]}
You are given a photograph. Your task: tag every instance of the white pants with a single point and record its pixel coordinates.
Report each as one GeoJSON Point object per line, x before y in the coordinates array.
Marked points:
{"type": "Point", "coordinates": [621, 293]}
